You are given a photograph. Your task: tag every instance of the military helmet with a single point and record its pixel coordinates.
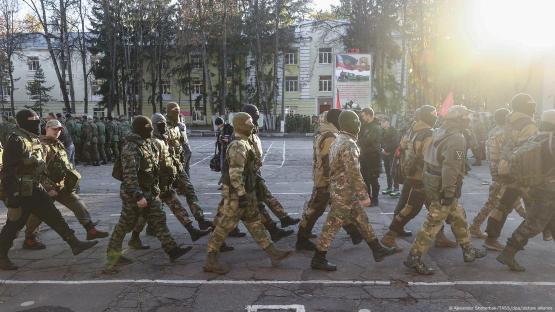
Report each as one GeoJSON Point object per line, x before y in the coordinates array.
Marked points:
{"type": "Point", "coordinates": [457, 112]}
{"type": "Point", "coordinates": [427, 114]}
{"type": "Point", "coordinates": [523, 103]}
{"type": "Point", "coordinates": [349, 122]}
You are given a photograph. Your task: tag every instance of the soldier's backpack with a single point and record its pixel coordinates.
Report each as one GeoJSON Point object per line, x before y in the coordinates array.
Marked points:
{"type": "Point", "coordinates": [412, 158]}
{"type": "Point", "coordinates": [525, 164]}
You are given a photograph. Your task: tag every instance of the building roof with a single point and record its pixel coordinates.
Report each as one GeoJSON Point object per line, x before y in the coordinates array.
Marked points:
{"type": "Point", "coordinates": [38, 41]}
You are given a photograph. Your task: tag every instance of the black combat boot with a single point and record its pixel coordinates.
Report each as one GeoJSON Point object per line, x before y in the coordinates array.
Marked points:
{"type": "Point", "coordinates": [225, 248]}
{"type": "Point", "coordinates": [319, 262]}
{"type": "Point", "coordinates": [236, 233]}
{"type": "Point", "coordinates": [353, 231]}
{"type": "Point", "coordinates": [136, 243]}
{"type": "Point", "coordinates": [213, 265]}
{"type": "Point", "coordinates": [78, 246]}
{"type": "Point", "coordinates": [196, 233]}
{"type": "Point", "coordinates": [415, 263]}
{"type": "Point", "coordinates": [287, 221]}
{"type": "Point", "coordinates": [277, 234]}
{"type": "Point", "coordinates": [470, 253]}
{"type": "Point", "coordinates": [304, 243]}
{"type": "Point", "coordinates": [380, 252]}
{"type": "Point", "coordinates": [32, 242]}
{"type": "Point", "coordinates": [507, 257]}
{"type": "Point", "coordinates": [178, 252]}
{"type": "Point", "coordinates": [204, 224]}
{"type": "Point", "coordinates": [277, 255]}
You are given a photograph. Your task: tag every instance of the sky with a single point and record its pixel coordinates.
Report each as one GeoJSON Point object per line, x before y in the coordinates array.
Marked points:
{"type": "Point", "coordinates": [324, 4]}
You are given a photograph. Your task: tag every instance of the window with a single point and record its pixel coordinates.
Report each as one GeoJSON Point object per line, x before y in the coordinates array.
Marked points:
{"type": "Point", "coordinates": [196, 87]}
{"type": "Point", "coordinates": [325, 84]}
{"type": "Point", "coordinates": [291, 84]}
{"type": "Point", "coordinates": [291, 58]}
{"type": "Point", "coordinates": [96, 87]}
{"type": "Point", "coordinates": [165, 85]}
{"type": "Point", "coordinates": [324, 55]}
{"type": "Point", "coordinates": [5, 90]}
{"type": "Point", "coordinates": [196, 61]}
{"type": "Point", "coordinates": [33, 63]}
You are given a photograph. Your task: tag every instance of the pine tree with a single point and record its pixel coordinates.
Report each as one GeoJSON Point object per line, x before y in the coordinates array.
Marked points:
{"type": "Point", "coordinates": [38, 91]}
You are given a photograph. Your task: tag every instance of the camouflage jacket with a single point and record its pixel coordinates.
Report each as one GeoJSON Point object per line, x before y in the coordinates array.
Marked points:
{"type": "Point", "coordinates": [124, 129]}
{"type": "Point", "coordinates": [346, 182]}
{"type": "Point", "coordinates": [175, 144]}
{"type": "Point", "coordinates": [254, 141]}
{"type": "Point", "coordinates": [494, 148]}
{"type": "Point", "coordinates": [140, 163]}
{"type": "Point", "coordinates": [414, 144]}
{"type": "Point", "coordinates": [74, 129]}
{"type": "Point", "coordinates": [321, 149]}
{"type": "Point", "coordinates": [58, 166]}
{"type": "Point", "coordinates": [240, 177]}
{"type": "Point", "coordinates": [112, 132]}
{"type": "Point", "coordinates": [101, 131]}
{"type": "Point", "coordinates": [168, 171]}
{"type": "Point", "coordinates": [445, 162]}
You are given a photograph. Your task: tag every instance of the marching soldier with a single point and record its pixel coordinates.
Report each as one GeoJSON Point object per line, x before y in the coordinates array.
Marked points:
{"type": "Point", "coordinates": [540, 213]}
{"type": "Point", "coordinates": [101, 134]}
{"type": "Point", "coordinates": [327, 132]}
{"type": "Point", "coordinates": [239, 199]}
{"type": "Point", "coordinates": [167, 175]}
{"type": "Point", "coordinates": [23, 163]}
{"type": "Point", "coordinates": [348, 195]}
{"type": "Point", "coordinates": [520, 128]}
{"type": "Point", "coordinates": [90, 141]}
{"type": "Point", "coordinates": [183, 182]}
{"type": "Point", "coordinates": [112, 139]}
{"type": "Point", "coordinates": [139, 192]}
{"type": "Point", "coordinates": [444, 170]}
{"type": "Point", "coordinates": [413, 197]}
{"type": "Point", "coordinates": [60, 181]}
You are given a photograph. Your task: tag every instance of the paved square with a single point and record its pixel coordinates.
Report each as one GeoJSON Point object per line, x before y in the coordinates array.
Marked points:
{"type": "Point", "coordinates": [54, 280]}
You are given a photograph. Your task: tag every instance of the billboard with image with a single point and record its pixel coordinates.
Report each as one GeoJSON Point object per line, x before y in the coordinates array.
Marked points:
{"type": "Point", "coordinates": [352, 80]}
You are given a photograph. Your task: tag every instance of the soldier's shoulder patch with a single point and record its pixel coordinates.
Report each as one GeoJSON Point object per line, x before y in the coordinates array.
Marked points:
{"type": "Point", "coordinates": [460, 155]}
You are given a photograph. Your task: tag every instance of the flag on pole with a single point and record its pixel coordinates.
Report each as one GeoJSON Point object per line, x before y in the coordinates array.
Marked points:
{"type": "Point", "coordinates": [338, 102]}
{"type": "Point", "coordinates": [447, 103]}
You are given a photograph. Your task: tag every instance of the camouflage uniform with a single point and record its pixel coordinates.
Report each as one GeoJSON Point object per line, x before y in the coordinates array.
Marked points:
{"type": "Point", "coordinates": [240, 180]}
{"type": "Point", "coordinates": [347, 188]}
{"type": "Point", "coordinates": [123, 129]}
{"type": "Point", "coordinates": [140, 180]}
{"type": "Point", "coordinates": [112, 140]}
{"type": "Point", "coordinates": [74, 129]}
{"type": "Point", "coordinates": [90, 142]}
{"type": "Point", "coordinates": [521, 128]}
{"type": "Point", "coordinates": [101, 134]}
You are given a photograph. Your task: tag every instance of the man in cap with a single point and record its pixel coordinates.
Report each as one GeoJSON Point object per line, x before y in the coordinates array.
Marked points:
{"type": "Point", "coordinates": [519, 129]}
{"type": "Point", "coordinates": [23, 163]}
{"type": "Point", "coordinates": [184, 186]}
{"type": "Point", "coordinates": [139, 192]}
{"type": "Point", "coordinates": [327, 132]}
{"type": "Point", "coordinates": [60, 180]}
{"type": "Point", "coordinates": [348, 195]}
{"type": "Point", "coordinates": [370, 141]}
{"type": "Point", "coordinates": [239, 199]}
{"type": "Point", "coordinates": [540, 213]}
{"type": "Point", "coordinates": [444, 171]}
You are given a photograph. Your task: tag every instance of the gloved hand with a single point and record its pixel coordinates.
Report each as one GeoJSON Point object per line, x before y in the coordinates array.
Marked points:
{"type": "Point", "coordinates": [243, 201]}
{"type": "Point", "coordinates": [447, 201]}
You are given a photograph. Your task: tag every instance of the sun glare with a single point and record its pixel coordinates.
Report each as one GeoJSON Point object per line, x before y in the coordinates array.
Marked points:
{"type": "Point", "coordinates": [528, 25]}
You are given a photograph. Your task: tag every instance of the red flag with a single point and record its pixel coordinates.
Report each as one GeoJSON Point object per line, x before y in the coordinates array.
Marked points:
{"type": "Point", "coordinates": [447, 103]}
{"type": "Point", "coordinates": [338, 102]}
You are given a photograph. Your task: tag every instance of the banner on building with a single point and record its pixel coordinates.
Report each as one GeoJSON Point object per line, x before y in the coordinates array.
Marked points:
{"type": "Point", "coordinates": [352, 80]}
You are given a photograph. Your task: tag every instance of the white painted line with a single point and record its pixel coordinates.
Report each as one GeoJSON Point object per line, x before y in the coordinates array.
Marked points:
{"type": "Point", "coordinates": [203, 145]}
{"type": "Point", "coordinates": [267, 151]}
{"type": "Point", "coordinates": [115, 215]}
{"type": "Point", "coordinates": [387, 213]}
{"type": "Point", "coordinates": [270, 282]}
{"type": "Point", "coordinates": [283, 161]}
{"type": "Point", "coordinates": [272, 193]}
{"type": "Point", "coordinates": [295, 307]}
{"type": "Point", "coordinates": [198, 162]}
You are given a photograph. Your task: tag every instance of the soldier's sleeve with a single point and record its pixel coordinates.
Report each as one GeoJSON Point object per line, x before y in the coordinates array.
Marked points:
{"type": "Point", "coordinates": [425, 145]}
{"type": "Point", "coordinates": [325, 155]}
{"type": "Point", "coordinates": [45, 180]}
{"type": "Point", "coordinates": [130, 164]}
{"type": "Point", "coordinates": [454, 160]}
{"type": "Point", "coordinates": [11, 159]}
{"type": "Point", "coordinates": [350, 158]}
{"type": "Point", "coordinates": [237, 154]}
{"type": "Point", "coordinates": [526, 133]}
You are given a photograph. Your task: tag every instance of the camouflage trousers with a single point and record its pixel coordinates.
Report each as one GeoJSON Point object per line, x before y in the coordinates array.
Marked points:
{"type": "Point", "coordinates": [264, 195]}
{"type": "Point", "coordinates": [496, 191]}
{"type": "Point", "coordinates": [540, 216]}
{"type": "Point", "coordinates": [437, 215]}
{"type": "Point", "coordinates": [315, 208]}
{"type": "Point", "coordinates": [129, 217]}
{"type": "Point", "coordinates": [341, 215]}
{"type": "Point", "coordinates": [102, 152]}
{"type": "Point", "coordinates": [229, 215]}
{"type": "Point", "coordinates": [413, 198]}
{"type": "Point", "coordinates": [69, 200]}
{"type": "Point", "coordinates": [184, 187]}
{"type": "Point", "coordinates": [503, 208]}
{"type": "Point", "coordinates": [176, 207]}
{"type": "Point", "coordinates": [90, 152]}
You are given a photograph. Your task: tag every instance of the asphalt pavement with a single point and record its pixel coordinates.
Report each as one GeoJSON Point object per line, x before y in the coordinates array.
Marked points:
{"type": "Point", "coordinates": [54, 280]}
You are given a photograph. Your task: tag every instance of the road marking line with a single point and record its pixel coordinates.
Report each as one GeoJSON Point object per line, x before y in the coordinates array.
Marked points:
{"type": "Point", "coordinates": [267, 151]}
{"type": "Point", "coordinates": [171, 214]}
{"type": "Point", "coordinates": [198, 162]}
{"type": "Point", "coordinates": [271, 282]}
{"type": "Point", "coordinates": [203, 145]}
{"type": "Point", "coordinates": [387, 213]}
{"type": "Point", "coordinates": [283, 161]}
{"type": "Point", "coordinates": [272, 193]}
{"type": "Point", "coordinates": [295, 307]}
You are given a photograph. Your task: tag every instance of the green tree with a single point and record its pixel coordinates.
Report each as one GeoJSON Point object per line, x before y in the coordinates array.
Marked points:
{"type": "Point", "coordinates": [38, 92]}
